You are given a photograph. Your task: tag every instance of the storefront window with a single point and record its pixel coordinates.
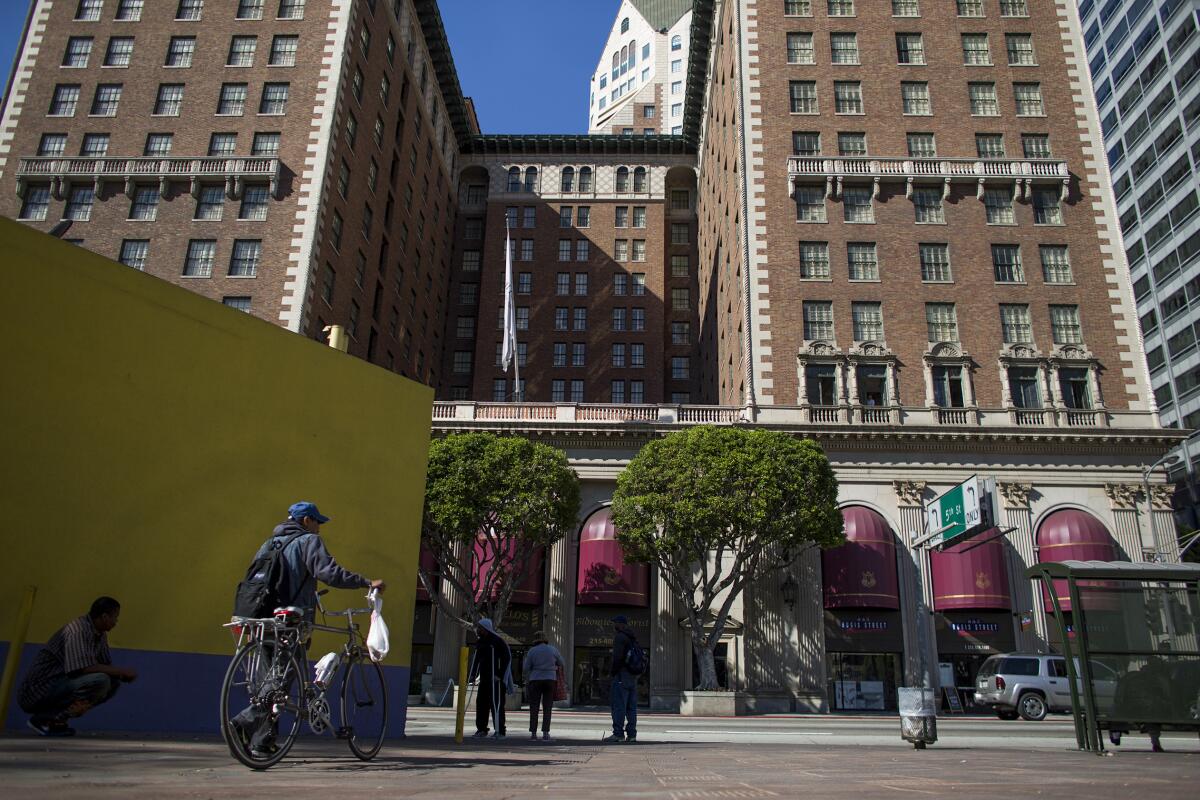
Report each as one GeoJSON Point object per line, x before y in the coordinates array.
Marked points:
{"type": "Point", "coordinates": [863, 681]}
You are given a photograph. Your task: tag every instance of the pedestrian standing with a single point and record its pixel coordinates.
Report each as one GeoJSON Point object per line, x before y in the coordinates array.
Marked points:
{"type": "Point", "coordinates": [541, 666]}
{"type": "Point", "coordinates": [623, 693]}
{"type": "Point", "coordinates": [493, 665]}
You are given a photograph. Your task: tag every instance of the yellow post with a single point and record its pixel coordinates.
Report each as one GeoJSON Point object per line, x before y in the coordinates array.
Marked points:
{"type": "Point", "coordinates": [461, 712]}
{"type": "Point", "coordinates": [15, 646]}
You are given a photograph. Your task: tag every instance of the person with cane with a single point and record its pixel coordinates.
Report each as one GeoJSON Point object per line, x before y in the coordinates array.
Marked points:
{"type": "Point", "coordinates": [493, 665]}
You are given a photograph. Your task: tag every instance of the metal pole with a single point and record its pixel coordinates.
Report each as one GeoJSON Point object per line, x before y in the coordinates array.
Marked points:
{"type": "Point", "coordinates": [461, 712]}
{"type": "Point", "coordinates": [15, 646]}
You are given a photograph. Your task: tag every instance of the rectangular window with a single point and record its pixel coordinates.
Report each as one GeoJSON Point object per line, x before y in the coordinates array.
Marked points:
{"type": "Point", "coordinates": [576, 390]}
{"type": "Point", "coordinates": [578, 354]}
{"type": "Point", "coordinates": [179, 51]}
{"type": "Point", "coordinates": [89, 10]}
{"type": "Point", "coordinates": [527, 249]}
{"type": "Point", "coordinates": [947, 386]}
{"type": "Point", "coordinates": [637, 394]}
{"type": "Point", "coordinates": [79, 203]}
{"type": "Point", "coordinates": [36, 203]}
{"type": "Point", "coordinates": [106, 100]}
{"type": "Point", "coordinates": [639, 216]}
{"type": "Point", "coordinates": [232, 101]}
{"type": "Point", "coordinates": [620, 284]}
{"type": "Point", "coordinates": [847, 97]}
{"type": "Point", "coordinates": [200, 256]}
{"type": "Point", "coordinates": [806, 143]}
{"type": "Point", "coordinates": [935, 263]}
{"type": "Point", "coordinates": [928, 206]}
{"type": "Point", "coordinates": [818, 320]}
{"type": "Point", "coordinates": [524, 283]}
{"type": "Point", "coordinates": [680, 333]}
{"type": "Point", "coordinates": [941, 322]}
{"type": "Point", "coordinates": [852, 144]}
{"type": "Point", "coordinates": [145, 203]}
{"type": "Point", "coordinates": [800, 48]}
{"type": "Point", "coordinates": [265, 144]}
{"type": "Point", "coordinates": [639, 249]}
{"type": "Point", "coordinates": [1076, 392]}
{"type": "Point", "coordinates": [291, 9]}
{"type": "Point", "coordinates": [679, 266]}
{"type": "Point", "coordinates": [797, 8]}
{"type": "Point", "coordinates": [618, 355]}
{"type": "Point", "coordinates": [843, 48]}
{"type": "Point", "coordinates": [211, 202]}
{"type": "Point", "coordinates": [680, 299]}
{"type": "Point", "coordinates": [250, 9]}
{"type": "Point", "coordinates": [189, 9]}
{"type": "Point", "coordinates": [862, 261]}
{"type": "Point", "coordinates": [135, 253]}
{"type": "Point", "coordinates": [95, 145]}
{"type": "Point", "coordinates": [562, 284]}
{"type": "Point", "coordinates": [915, 97]}
{"type": "Point", "coordinates": [1017, 8]}
{"type": "Point", "coordinates": [1028, 97]}
{"type": "Point", "coordinates": [983, 99]}
{"type": "Point", "coordinates": [564, 217]}
{"type": "Point", "coordinates": [283, 51]}
{"type": "Point", "coordinates": [810, 203]}
{"type": "Point", "coordinates": [621, 250]}
{"type": "Point", "coordinates": [921, 145]}
{"type": "Point", "coordinates": [1056, 263]}
{"type": "Point", "coordinates": [969, 8]}
{"type": "Point", "coordinates": [581, 284]}
{"type": "Point", "coordinates": [222, 144]}
{"type": "Point", "coordinates": [998, 204]}
{"type": "Point", "coordinates": [254, 203]}
{"type": "Point", "coordinates": [560, 354]}
{"type": "Point", "coordinates": [906, 8]}
{"type": "Point", "coordinates": [840, 8]}
{"type": "Point", "coordinates": [241, 51]}
{"type": "Point", "coordinates": [79, 49]}
{"type": "Point", "coordinates": [1006, 263]}
{"type": "Point", "coordinates": [1020, 49]}
{"type": "Point", "coordinates": [1047, 209]}
{"type": "Point", "coordinates": [621, 217]}
{"type": "Point", "coordinates": [558, 391]}
{"type": "Point", "coordinates": [579, 318]}
{"type": "Point", "coordinates": [867, 319]}
{"type": "Point", "coordinates": [564, 249]}
{"type": "Point", "coordinates": [1064, 325]}
{"type": "Point", "coordinates": [529, 215]}
{"type": "Point", "coordinates": [583, 216]}
{"type": "Point", "coordinates": [910, 48]}
{"type": "Point", "coordinates": [814, 260]}
{"type": "Point", "coordinates": [975, 49]}
{"type": "Point", "coordinates": [989, 145]}
{"type": "Point", "coordinates": [618, 319]}
{"type": "Point", "coordinates": [1035, 145]}
{"type": "Point", "coordinates": [803, 96]}
{"type": "Point", "coordinates": [52, 144]}
{"type": "Point", "coordinates": [639, 284]}
{"type": "Point", "coordinates": [66, 97]}
{"type": "Point", "coordinates": [856, 204]}
{"type": "Point", "coordinates": [617, 392]}
{"type": "Point", "coordinates": [637, 319]}
{"type": "Point", "coordinates": [679, 368]}
{"type": "Point", "coordinates": [582, 250]}
{"type": "Point", "coordinates": [1015, 325]}
{"type": "Point", "coordinates": [637, 356]}
{"type": "Point", "coordinates": [243, 262]}
{"type": "Point", "coordinates": [1023, 384]}
{"type": "Point", "coordinates": [274, 98]}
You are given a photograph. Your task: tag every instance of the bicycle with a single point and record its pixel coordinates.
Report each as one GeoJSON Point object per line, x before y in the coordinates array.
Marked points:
{"type": "Point", "coordinates": [266, 684]}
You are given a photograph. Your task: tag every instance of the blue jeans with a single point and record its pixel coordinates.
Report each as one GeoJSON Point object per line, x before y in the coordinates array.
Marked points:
{"type": "Point", "coordinates": [624, 707]}
{"type": "Point", "coordinates": [94, 688]}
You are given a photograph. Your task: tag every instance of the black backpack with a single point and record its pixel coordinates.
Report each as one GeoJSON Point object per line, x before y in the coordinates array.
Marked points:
{"type": "Point", "coordinates": [260, 592]}
{"type": "Point", "coordinates": [635, 658]}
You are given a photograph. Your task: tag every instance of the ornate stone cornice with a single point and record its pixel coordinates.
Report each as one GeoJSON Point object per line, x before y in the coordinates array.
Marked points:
{"type": "Point", "coordinates": [871, 349]}
{"type": "Point", "coordinates": [1016, 495]}
{"type": "Point", "coordinates": [1161, 496]}
{"type": "Point", "coordinates": [1071, 352]}
{"type": "Point", "coordinates": [820, 348]}
{"type": "Point", "coordinates": [909, 493]}
{"type": "Point", "coordinates": [1020, 352]}
{"type": "Point", "coordinates": [952, 351]}
{"type": "Point", "coordinates": [1123, 496]}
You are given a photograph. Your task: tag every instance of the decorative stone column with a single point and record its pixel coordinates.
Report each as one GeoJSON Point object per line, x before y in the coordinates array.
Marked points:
{"type": "Point", "coordinates": [1167, 545]}
{"type": "Point", "coordinates": [558, 619]}
{"type": "Point", "coordinates": [1128, 524]}
{"type": "Point", "coordinates": [916, 590]}
{"type": "Point", "coordinates": [670, 650]}
{"type": "Point", "coordinates": [1022, 554]}
{"type": "Point", "coordinates": [807, 639]}
{"type": "Point", "coordinates": [448, 639]}
{"type": "Point", "coordinates": [769, 645]}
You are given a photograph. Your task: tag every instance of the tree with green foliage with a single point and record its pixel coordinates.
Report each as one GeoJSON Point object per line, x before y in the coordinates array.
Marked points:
{"type": "Point", "coordinates": [717, 508]}
{"type": "Point", "coordinates": [490, 502]}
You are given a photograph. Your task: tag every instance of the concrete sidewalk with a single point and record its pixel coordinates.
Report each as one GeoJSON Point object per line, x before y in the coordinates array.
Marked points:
{"type": "Point", "coordinates": [90, 766]}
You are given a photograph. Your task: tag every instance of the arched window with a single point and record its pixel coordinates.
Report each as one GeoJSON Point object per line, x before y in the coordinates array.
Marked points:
{"type": "Point", "coordinates": [568, 179]}
{"type": "Point", "coordinates": [514, 179]}
{"type": "Point", "coordinates": [624, 25]}
{"type": "Point", "coordinates": [530, 179]}
{"type": "Point", "coordinates": [639, 179]}
{"type": "Point", "coordinates": [632, 53]}
{"type": "Point", "coordinates": [585, 179]}
{"type": "Point", "coordinates": [616, 61]}
{"type": "Point", "coordinates": [622, 179]}
{"type": "Point", "coordinates": [676, 42]}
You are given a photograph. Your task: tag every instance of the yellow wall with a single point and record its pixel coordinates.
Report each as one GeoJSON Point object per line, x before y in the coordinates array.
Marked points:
{"type": "Point", "coordinates": [152, 438]}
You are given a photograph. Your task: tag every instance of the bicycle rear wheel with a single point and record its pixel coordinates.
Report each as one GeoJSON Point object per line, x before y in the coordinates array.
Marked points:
{"type": "Point", "coordinates": [261, 704]}
{"type": "Point", "coordinates": [364, 707]}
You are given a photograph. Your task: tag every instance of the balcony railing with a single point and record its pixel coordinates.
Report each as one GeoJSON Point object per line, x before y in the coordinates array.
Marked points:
{"type": "Point", "coordinates": [233, 170]}
{"type": "Point", "coordinates": [834, 170]}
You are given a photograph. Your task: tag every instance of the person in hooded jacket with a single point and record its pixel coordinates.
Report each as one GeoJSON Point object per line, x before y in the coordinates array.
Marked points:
{"type": "Point", "coordinates": [493, 666]}
{"type": "Point", "coordinates": [306, 560]}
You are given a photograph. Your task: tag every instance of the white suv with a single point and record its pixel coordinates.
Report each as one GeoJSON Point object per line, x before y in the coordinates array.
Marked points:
{"type": "Point", "coordinates": [1031, 684]}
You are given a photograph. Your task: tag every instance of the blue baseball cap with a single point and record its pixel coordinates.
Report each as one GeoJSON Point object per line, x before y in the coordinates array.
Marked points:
{"type": "Point", "coordinates": [621, 619]}
{"type": "Point", "coordinates": [299, 511]}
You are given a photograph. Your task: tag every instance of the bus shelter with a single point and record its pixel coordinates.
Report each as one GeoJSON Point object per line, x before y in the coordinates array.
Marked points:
{"type": "Point", "coordinates": [1129, 634]}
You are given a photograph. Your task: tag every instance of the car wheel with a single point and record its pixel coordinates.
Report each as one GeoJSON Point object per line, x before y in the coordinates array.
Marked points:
{"type": "Point", "coordinates": [1032, 707]}
{"type": "Point", "coordinates": [1006, 714]}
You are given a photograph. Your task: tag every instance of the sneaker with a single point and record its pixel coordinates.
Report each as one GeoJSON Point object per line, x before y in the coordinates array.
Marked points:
{"type": "Point", "coordinates": [50, 727]}
{"type": "Point", "coordinates": [631, 739]}
{"type": "Point", "coordinates": [78, 708]}
{"type": "Point", "coordinates": [613, 738]}
{"type": "Point", "coordinates": [498, 735]}
{"type": "Point", "coordinates": [546, 736]}
{"type": "Point", "coordinates": [264, 750]}
{"type": "Point", "coordinates": [479, 735]}
{"type": "Point", "coordinates": [533, 736]}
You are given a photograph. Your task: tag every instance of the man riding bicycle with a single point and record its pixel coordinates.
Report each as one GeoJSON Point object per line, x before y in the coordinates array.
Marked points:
{"type": "Point", "coordinates": [305, 560]}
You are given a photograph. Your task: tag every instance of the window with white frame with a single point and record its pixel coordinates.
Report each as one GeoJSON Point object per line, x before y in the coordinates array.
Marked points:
{"type": "Point", "coordinates": [680, 299]}
{"type": "Point", "coordinates": [935, 262]}
{"type": "Point", "coordinates": [856, 204]}
{"type": "Point", "coordinates": [232, 100]}
{"type": "Point", "coordinates": [799, 48]}
{"type": "Point", "coordinates": [129, 10]}
{"type": "Point", "coordinates": [106, 100]}
{"type": "Point", "coordinates": [564, 249]}
{"type": "Point", "coordinates": [582, 250]}
{"type": "Point", "coordinates": [906, 8]}
{"type": "Point", "coordinates": [52, 144]}
{"type": "Point", "coordinates": [527, 249]}
{"type": "Point", "coordinates": [1014, 8]}
{"type": "Point", "coordinates": [250, 9]}
{"type": "Point", "coordinates": [180, 51]}
{"type": "Point", "coordinates": [89, 10]}
{"type": "Point", "coordinates": [969, 8]}
{"type": "Point", "coordinates": [840, 8]}
{"type": "Point", "coordinates": [941, 322]}
{"type": "Point", "coordinates": [639, 284]}
{"type": "Point", "coordinates": [989, 145]}
{"type": "Point", "coordinates": [1035, 145]}
{"type": "Point", "coordinates": [681, 333]}
{"type": "Point", "coordinates": [274, 98]}
{"type": "Point", "coordinates": [637, 319]}
{"type": "Point", "coordinates": [983, 99]}
{"type": "Point", "coordinates": [1028, 97]}
{"type": "Point", "coordinates": [79, 49]}
{"type": "Point", "coordinates": [679, 266]}
{"type": "Point", "coordinates": [810, 203]}
{"type": "Point", "coordinates": [198, 263]}
{"type": "Point", "coordinates": [797, 8]}
{"type": "Point", "coordinates": [639, 249]}
{"type": "Point", "coordinates": [95, 145]}
{"type": "Point", "coordinates": [254, 202]}
{"type": "Point", "coordinates": [283, 51]}
{"type": "Point", "coordinates": [1015, 325]}
{"type": "Point", "coordinates": [910, 48]}
{"type": "Point", "coordinates": [637, 392]}
{"type": "Point", "coordinates": [210, 203]}
{"type": "Point", "coordinates": [578, 354]}
{"type": "Point", "coordinates": [814, 260]}
{"type": "Point", "coordinates": [1056, 263]}
{"type": "Point", "coordinates": [975, 49]}
{"type": "Point", "coordinates": [1020, 49]}
{"type": "Point", "coordinates": [1064, 325]}
{"type": "Point", "coordinates": [847, 97]}
{"type": "Point", "coordinates": [862, 261]}
{"type": "Point", "coordinates": [245, 257]}
{"type": "Point", "coordinates": [558, 391]}
{"type": "Point", "coordinates": [576, 390]}
{"type": "Point", "coordinates": [843, 48]}
{"type": "Point", "coordinates": [189, 9]}
{"type": "Point", "coordinates": [914, 96]}
{"type": "Point", "coordinates": [998, 204]}
{"type": "Point", "coordinates": [618, 319]}
{"type": "Point", "coordinates": [1047, 207]}
{"type": "Point", "coordinates": [802, 95]}
{"type": "Point", "coordinates": [291, 9]}
{"type": "Point", "coordinates": [867, 320]}
{"type": "Point", "coordinates": [852, 144]}
{"type": "Point", "coordinates": [921, 145]}
{"type": "Point", "coordinates": [135, 253]}
{"type": "Point", "coordinates": [144, 205]}
{"type": "Point", "coordinates": [928, 205]}
{"type": "Point", "coordinates": [64, 101]}
{"type": "Point", "coordinates": [579, 318]}
{"type": "Point", "coordinates": [581, 284]}
{"type": "Point", "coordinates": [79, 203]}
{"type": "Point", "coordinates": [239, 302]}
{"type": "Point", "coordinates": [818, 320]}
{"type": "Point", "coordinates": [35, 205]}
{"type": "Point", "coordinates": [617, 391]}
{"type": "Point", "coordinates": [524, 283]}
{"type": "Point", "coordinates": [806, 143]}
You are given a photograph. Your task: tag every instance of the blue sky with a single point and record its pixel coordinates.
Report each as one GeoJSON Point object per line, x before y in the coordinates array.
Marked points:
{"type": "Point", "coordinates": [526, 63]}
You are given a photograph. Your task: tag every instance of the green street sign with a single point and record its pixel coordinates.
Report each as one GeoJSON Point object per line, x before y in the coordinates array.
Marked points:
{"type": "Point", "coordinates": [961, 512]}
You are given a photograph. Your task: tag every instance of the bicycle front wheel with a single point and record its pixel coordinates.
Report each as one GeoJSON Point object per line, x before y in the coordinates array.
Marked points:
{"type": "Point", "coordinates": [261, 701]}
{"type": "Point", "coordinates": [364, 707]}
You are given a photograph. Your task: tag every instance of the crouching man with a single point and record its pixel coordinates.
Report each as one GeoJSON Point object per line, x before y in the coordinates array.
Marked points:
{"type": "Point", "coordinates": [73, 672]}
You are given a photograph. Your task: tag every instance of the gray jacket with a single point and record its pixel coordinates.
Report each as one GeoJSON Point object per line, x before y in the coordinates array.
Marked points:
{"type": "Point", "coordinates": [308, 561]}
{"type": "Point", "coordinates": [540, 662]}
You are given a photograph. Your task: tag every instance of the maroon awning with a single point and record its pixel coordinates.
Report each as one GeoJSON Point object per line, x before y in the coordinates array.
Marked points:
{"type": "Point", "coordinates": [529, 590]}
{"type": "Point", "coordinates": [604, 577]}
{"type": "Point", "coordinates": [862, 572]}
{"type": "Point", "coordinates": [1073, 535]}
{"type": "Point", "coordinates": [429, 562]}
{"type": "Point", "coordinates": [975, 579]}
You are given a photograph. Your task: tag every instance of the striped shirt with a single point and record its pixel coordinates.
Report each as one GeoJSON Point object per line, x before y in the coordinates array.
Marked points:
{"type": "Point", "coordinates": [77, 645]}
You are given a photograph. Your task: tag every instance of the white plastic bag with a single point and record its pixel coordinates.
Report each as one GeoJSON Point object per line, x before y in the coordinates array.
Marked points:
{"type": "Point", "coordinates": [325, 668]}
{"type": "Point", "coordinates": [377, 636]}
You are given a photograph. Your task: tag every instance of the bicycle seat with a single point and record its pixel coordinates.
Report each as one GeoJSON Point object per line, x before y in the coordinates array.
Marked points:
{"type": "Point", "coordinates": [289, 615]}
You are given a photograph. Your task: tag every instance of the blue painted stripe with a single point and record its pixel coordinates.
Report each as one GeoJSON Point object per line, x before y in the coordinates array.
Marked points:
{"type": "Point", "coordinates": [179, 693]}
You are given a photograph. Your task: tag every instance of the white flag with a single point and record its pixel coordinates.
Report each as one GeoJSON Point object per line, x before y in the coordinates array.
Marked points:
{"type": "Point", "coordinates": [510, 310]}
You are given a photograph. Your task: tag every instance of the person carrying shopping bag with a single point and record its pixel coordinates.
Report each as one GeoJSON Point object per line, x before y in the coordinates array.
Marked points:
{"type": "Point", "coordinates": [541, 666]}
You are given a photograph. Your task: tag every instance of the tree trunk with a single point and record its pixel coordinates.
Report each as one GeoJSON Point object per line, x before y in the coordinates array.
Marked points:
{"type": "Point", "coordinates": [708, 667]}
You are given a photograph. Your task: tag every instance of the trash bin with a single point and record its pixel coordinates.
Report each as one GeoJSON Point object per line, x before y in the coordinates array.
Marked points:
{"type": "Point", "coordinates": [918, 716]}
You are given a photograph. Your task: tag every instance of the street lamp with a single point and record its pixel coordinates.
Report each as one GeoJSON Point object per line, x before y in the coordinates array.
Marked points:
{"type": "Point", "coordinates": [1167, 460]}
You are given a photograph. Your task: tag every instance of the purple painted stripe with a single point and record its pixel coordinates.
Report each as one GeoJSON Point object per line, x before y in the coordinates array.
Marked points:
{"type": "Point", "coordinates": [179, 693]}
